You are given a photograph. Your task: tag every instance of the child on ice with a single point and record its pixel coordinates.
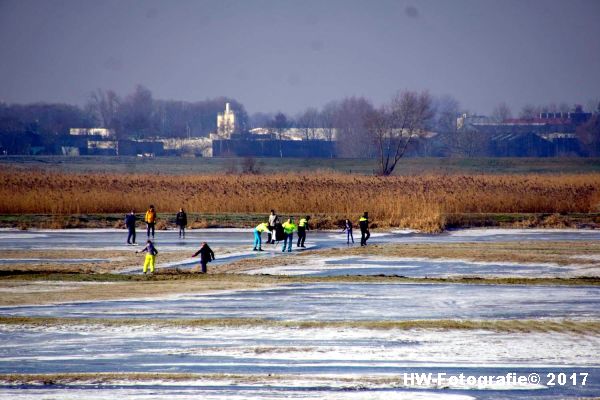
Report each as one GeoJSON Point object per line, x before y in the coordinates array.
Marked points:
{"type": "Point", "coordinates": [151, 253]}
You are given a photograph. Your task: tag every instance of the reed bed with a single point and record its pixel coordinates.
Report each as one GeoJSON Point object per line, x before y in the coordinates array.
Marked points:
{"type": "Point", "coordinates": [420, 202]}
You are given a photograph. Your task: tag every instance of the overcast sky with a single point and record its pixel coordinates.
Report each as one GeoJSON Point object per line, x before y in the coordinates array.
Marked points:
{"type": "Point", "coordinates": [287, 55]}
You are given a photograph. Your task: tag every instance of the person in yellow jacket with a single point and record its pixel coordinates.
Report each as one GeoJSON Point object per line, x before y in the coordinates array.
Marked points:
{"type": "Point", "coordinates": [150, 220]}
{"type": "Point", "coordinates": [288, 229]}
{"type": "Point", "coordinates": [302, 228]}
{"type": "Point", "coordinates": [151, 253]}
{"type": "Point", "coordinates": [260, 228]}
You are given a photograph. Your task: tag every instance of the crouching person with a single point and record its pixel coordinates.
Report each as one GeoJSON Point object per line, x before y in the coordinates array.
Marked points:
{"type": "Point", "coordinates": [260, 228]}
{"type": "Point", "coordinates": [206, 256]}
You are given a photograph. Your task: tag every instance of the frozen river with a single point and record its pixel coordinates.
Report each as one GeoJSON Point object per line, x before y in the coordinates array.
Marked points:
{"type": "Point", "coordinates": [315, 363]}
{"type": "Point", "coordinates": [310, 363]}
{"type": "Point", "coordinates": [234, 240]}
{"type": "Point", "coordinates": [73, 239]}
{"type": "Point", "coordinates": [347, 301]}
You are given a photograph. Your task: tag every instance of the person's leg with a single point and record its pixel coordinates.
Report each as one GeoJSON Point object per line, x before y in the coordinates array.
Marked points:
{"type": "Point", "coordinates": [133, 237]}
{"type": "Point", "coordinates": [303, 239]}
{"type": "Point", "coordinates": [203, 264]}
{"type": "Point", "coordinates": [347, 237]}
{"type": "Point", "coordinates": [153, 230]}
{"type": "Point", "coordinates": [183, 231]}
{"type": "Point", "coordinates": [129, 233]}
{"type": "Point", "coordinates": [270, 235]}
{"type": "Point", "coordinates": [368, 236]}
{"type": "Point", "coordinates": [362, 238]}
{"type": "Point", "coordinates": [299, 239]}
{"type": "Point", "coordinates": [146, 263]}
{"type": "Point", "coordinates": [285, 240]}
{"type": "Point", "coordinates": [290, 242]}
{"type": "Point", "coordinates": [256, 240]}
{"type": "Point", "coordinates": [352, 237]}
{"type": "Point", "coordinates": [148, 229]}
{"type": "Point", "coordinates": [152, 262]}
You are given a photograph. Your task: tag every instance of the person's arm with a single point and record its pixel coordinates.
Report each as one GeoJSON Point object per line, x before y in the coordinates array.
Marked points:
{"type": "Point", "coordinates": [212, 255]}
{"type": "Point", "coordinates": [196, 253]}
{"type": "Point", "coordinates": [143, 250]}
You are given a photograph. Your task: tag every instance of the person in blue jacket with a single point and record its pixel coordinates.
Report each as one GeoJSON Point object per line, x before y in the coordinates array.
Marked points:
{"type": "Point", "coordinates": [130, 224]}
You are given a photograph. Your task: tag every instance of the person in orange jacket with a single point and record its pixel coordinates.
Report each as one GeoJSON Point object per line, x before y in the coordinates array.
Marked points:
{"type": "Point", "coordinates": [150, 221]}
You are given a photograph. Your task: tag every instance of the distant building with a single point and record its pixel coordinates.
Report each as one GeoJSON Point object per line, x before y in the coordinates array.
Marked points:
{"type": "Point", "coordinates": [273, 148]}
{"type": "Point", "coordinates": [521, 145]}
{"type": "Point", "coordinates": [102, 147]}
{"type": "Point", "coordinates": [544, 124]}
{"type": "Point", "coordinates": [226, 123]}
{"type": "Point", "coordinates": [102, 132]}
{"type": "Point", "coordinates": [200, 146]}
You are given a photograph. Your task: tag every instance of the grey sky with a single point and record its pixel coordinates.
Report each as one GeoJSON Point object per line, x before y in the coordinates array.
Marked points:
{"type": "Point", "coordinates": [286, 55]}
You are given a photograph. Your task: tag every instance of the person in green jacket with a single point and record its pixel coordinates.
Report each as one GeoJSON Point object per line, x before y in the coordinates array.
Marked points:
{"type": "Point", "coordinates": [260, 228]}
{"type": "Point", "coordinates": [288, 228]}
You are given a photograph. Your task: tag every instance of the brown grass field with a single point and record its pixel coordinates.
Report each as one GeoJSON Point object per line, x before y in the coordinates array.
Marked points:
{"type": "Point", "coordinates": [422, 201]}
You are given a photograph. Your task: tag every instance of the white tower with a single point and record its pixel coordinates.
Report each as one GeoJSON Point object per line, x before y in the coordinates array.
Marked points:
{"type": "Point", "coordinates": [226, 123]}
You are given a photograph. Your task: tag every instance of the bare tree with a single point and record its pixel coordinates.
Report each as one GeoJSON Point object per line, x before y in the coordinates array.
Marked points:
{"type": "Point", "coordinates": [104, 106]}
{"type": "Point", "coordinates": [307, 122]}
{"type": "Point", "coordinates": [501, 112]}
{"type": "Point", "coordinates": [393, 127]}
{"type": "Point", "coordinates": [589, 134]}
{"type": "Point", "coordinates": [327, 120]}
{"type": "Point", "coordinates": [529, 112]}
{"type": "Point", "coordinates": [279, 124]}
{"type": "Point", "coordinates": [350, 119]}
{"type": "Point", "coordinates": [468, 142]}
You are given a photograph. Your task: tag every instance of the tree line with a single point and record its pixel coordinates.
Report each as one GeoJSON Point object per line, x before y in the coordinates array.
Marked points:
{"type": "Point", "coordinates": [360, 128]}
{"type": "Point", "coordinates": [134, 116]}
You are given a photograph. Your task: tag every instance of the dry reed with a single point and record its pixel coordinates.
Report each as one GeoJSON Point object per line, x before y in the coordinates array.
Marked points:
{"type": "Point", "coordinates": [419, 202]}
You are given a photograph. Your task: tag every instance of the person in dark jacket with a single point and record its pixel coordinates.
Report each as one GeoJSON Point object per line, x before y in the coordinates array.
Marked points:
{"type": "Point", "coordinates": [130, 224]}
{"type": "Point", "coordinates": [364, 229]}
{"type": "Point", "coordinates": [151, 254]}
{"type": "Point", "coordinates": [348, 230]}
{"type": "Point", "coordinates": [181, 222]}
{"type": "Point", "coordinates": [302, 228]}
{"type": "Point", "coordinates": [206, 256]}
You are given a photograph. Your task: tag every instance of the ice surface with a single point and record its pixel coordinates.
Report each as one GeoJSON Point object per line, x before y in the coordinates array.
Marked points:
{"type": "Point", "coordinates": [423, 267]}
{"type": "Point", "coordinates": [359, 301]}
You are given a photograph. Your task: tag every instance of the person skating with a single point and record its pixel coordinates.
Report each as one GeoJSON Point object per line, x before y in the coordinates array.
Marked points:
{"type": "Point", "coordinates": [181, 222]}
{"type": "Point", "coordinates": [260, 228]}
{"type": "Point", "coordinates": [273, 221]}
{"type": "Point", "coordinates": [130, 224]}
{"type": "Point", "coordinates": [348, 230]}
{"type": "Point", "coordinates": [206, 255]}
{"type": "Point", "coordinates": [364, 229]}
{"type": "Point", "coordinates": [279, 233]}
{"type": "Point", "coordinates": [288, 228]}
{"type": "Point", "coordinates": [150, 220]}
{"type": "Point", "coordinates": [302, 228]}
{"type": "Point", "coordinates": [151, 253]}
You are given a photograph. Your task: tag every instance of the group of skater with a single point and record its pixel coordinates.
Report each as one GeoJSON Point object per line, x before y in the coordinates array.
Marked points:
{"type": "Point", "coordinates": [276, 230]}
